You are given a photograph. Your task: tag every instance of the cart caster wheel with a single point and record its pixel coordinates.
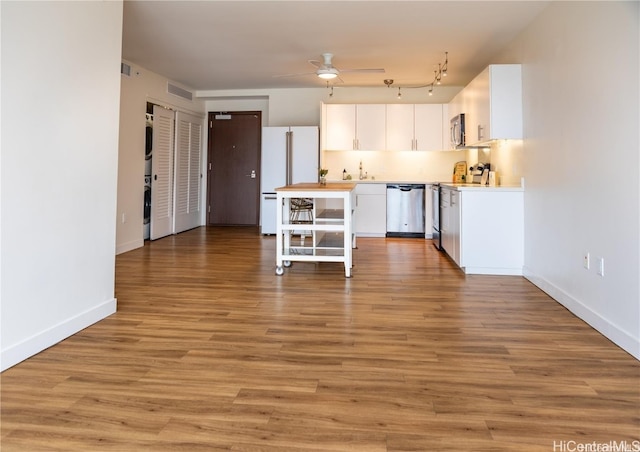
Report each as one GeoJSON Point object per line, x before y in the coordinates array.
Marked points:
{"type": "Point", "coordinates": [287, 263]}
{"type": "Point", "coordinates": [279, 271]}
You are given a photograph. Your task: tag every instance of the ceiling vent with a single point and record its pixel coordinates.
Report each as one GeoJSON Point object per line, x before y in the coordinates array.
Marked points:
{"type": "Point", "coordinates": [177, 91]}
{"type": "Point", "coordinates": [125, 69]}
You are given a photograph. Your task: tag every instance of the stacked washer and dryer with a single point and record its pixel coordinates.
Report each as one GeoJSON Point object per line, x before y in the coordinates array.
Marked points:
{"type": "Point", "coordinates": [147, 177]}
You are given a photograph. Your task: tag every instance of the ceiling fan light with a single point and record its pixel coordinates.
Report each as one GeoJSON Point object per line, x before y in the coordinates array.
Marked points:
{"type": "Point", "coordinates": [327, 73]}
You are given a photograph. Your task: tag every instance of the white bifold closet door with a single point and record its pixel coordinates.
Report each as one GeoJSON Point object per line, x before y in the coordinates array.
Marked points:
{"type": "Point", "coordinates": [188, 175]}
{"type": "Point", "coordinates": [162, 173]}
{"type": "Point", "coordinates": [176, 174]}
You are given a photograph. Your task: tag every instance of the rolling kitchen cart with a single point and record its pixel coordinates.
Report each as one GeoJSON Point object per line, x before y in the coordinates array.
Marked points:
{"type": "Point", "coordinates": [332, 226]}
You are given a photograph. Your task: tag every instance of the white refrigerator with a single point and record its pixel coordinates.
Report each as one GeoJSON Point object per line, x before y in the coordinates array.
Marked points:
{"type": "Point", "coordinates": [289, 155]}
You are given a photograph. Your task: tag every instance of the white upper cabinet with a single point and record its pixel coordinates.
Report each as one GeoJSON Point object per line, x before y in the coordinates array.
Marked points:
{"type": "Point", "coordinates": [340, 127]}
{"type": "Point", "coordinates": [493, 104]}
{"type": "Point", "coordinates": [428, 127]}
{"type": "Point", "coordinates": [400, 127]}
{"type": "Point", "coordinates": [354, 127]}
{"type": "Point", "coordinates": [379, 127]}
{"type": "Point", "coordinates": [414, 127]}
{"type": "Point", "coordinates": [370, 127]}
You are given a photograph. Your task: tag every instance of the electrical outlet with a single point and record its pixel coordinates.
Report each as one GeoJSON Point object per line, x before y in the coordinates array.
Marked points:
{"type": "Point", "coordinates": [124, 218]}
{"type": "Point", "coordinates": [601, 266]}
{"type": "Point", "coordinates": [586, 261]}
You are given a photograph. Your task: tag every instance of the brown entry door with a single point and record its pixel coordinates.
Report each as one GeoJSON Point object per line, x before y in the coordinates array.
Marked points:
{"type": "Point", "coordinates": [234, 164]}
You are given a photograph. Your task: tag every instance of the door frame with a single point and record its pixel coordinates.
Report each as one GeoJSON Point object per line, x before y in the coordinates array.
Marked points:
{"type": "Point", "coordinates": [210, 116]}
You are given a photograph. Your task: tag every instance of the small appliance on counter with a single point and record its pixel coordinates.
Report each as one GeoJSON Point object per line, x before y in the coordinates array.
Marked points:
{"type": "Point", "coordinates": [459, 172]}
{"type": "Point", "coordinates": [477, 171]}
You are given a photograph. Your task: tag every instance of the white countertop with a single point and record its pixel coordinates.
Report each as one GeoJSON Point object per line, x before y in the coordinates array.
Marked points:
{"type": "Point", "coordinates": [459, 187]}
{"type": "Point", "coordinates": [478, 187]}
{"type": "Point", "coordinates": [384, 181]}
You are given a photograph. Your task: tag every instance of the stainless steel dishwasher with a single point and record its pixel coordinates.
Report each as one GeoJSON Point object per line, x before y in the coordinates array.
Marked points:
{"type": "Point", "coordinates": [405, 210]}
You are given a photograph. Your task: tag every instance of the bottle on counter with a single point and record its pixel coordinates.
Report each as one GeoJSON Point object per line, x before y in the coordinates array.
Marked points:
{"type": "Point", "coordinates": [344, 174]}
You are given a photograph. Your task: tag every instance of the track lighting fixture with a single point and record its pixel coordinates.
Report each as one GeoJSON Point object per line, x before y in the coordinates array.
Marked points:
{"type": "Point", "coordinates": [441, 72]}
{"type": "Point", "coordinates": [330, 88]}
{"type": "Point", "coordinates": [437, 77]}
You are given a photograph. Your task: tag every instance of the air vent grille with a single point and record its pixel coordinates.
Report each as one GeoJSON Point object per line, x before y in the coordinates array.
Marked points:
{"type": "Point", "coordinates": [125, 69]}
{"type": "Point", "coordinates": [177, 91]}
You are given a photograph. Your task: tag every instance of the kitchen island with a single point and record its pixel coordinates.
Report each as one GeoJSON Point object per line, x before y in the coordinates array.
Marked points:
{"type": "Point", "coordinates": [331, 228]}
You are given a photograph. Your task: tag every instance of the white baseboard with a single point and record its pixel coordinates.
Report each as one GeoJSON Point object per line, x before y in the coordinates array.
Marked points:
{"type": "Point", "coordinates": [492, 271]}
{"type": "Point", "coordinates": [128, 246]}
{"type": "Point", "coordinates": [371, 234]}
{"type": "Point", "coordinates": [612, 332]}
{"type": "Point", "coordinates": [14, 354]}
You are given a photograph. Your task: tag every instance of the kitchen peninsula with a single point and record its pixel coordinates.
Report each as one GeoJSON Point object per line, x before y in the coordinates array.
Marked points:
{"type": "Point", "coordinates": [482, 227]}
{"type": "Point", "coordinates": [331, 226]}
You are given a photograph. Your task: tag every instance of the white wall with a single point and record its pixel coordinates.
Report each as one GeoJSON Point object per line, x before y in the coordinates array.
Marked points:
{"type": "Point", "coordinates": [60, 103]}
{"type": "Point", "coordinates": [581, 160]}
{"type": "Point", "coordinates": [141, 87]}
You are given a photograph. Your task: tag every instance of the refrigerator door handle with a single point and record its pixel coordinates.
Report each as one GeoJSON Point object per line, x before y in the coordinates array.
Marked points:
{"type": "Point", "coordinates": [289, 157]}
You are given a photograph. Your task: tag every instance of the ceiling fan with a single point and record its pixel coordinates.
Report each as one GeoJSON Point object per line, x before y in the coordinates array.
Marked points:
{"type": "Point", "coordinates": [327, 71]}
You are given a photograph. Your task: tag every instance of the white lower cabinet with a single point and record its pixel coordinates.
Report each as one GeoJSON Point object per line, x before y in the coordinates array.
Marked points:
{"type": "Point", "coordinates": [371, 210]}
{"type": "Point", "coordinates": [446, 235]}
{"type": "Point", "coordinates": [455, 226]}
{"type": "Point", "coordinates": [483, 230]}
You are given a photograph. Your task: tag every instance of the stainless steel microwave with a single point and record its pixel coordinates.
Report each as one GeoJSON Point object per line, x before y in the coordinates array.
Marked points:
{"type": "Point", "coordinates": [457, 131]}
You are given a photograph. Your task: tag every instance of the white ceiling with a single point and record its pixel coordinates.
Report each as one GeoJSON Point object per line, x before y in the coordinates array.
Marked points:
{"type": "Point", "coordinates": [226, 45]}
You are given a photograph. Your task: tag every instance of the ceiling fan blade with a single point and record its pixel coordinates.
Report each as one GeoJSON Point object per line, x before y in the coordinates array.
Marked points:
{"type": "Point", "coordinates": [317, 63]}
{"type": "Point", "coordinates": [370, 71]}
{"type": "Point", "coordinates": [294, 75]}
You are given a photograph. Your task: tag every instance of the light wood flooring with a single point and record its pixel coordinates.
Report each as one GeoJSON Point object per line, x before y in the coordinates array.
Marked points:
{"type": "Point", "coordinates": [209, 351]}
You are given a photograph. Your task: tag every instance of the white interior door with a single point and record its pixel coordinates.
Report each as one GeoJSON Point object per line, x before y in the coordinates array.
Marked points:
{"type": "Point", "coordinates": [188, 174]}
{"type": "Point", "coordinates": [162, 173]}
